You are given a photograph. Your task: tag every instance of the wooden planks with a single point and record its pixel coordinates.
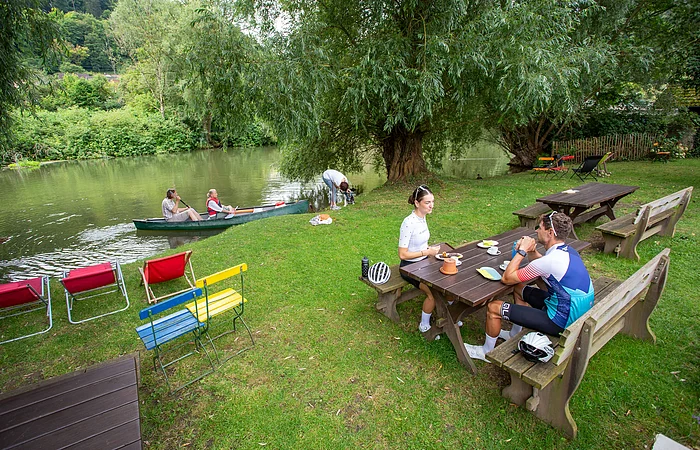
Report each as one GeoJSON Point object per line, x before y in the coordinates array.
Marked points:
{"type": "Point", "coordinates": [588, 195]}
{"type": "Point", "coordinates": [540, 375]}
{"type": "Point", "coordinates": [93, 408]}
{"type": "Point", "coordinates": [467, 285]}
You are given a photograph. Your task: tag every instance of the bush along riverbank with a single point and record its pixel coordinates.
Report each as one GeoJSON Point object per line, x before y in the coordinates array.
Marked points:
{"type": "Point", "coordinates": [330, 372]}
{"type": "Point", "coordinates": [79, 133]}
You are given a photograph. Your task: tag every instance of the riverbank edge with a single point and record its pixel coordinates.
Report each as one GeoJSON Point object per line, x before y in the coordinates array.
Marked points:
{"type": "Point", "coordinates": [328, 371]}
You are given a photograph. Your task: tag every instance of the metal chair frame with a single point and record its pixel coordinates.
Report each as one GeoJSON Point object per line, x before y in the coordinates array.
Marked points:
{"type": "Point", "coordinates": [172, 326]}
{"type": "Point", "coordinates": [217, 306]}
{"type": "Point", "coordinates": [117, 285]}
{"type": "Point", "coordinates": [42, 301]}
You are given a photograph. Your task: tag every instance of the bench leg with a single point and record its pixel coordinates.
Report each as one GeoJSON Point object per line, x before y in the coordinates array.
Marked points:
{"type": "Point", "coordinates": [637, 318]}
{"type": "Point", "coordinates": [553, 404]}
{"type": "Point", "coordinates": [386, 304]}
{"type": "Point", "coordinates": [628, 247]}
{"type": "Point", "coordinates": [517, 391]}
{"type": "Point", "coordinates": [611, 243]}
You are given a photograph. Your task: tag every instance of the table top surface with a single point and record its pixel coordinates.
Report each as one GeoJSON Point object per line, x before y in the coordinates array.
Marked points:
{"type": "Point", "coordinates": [467, 285]}
{"type": "Point", "coordinates": [589, 195]}
{"type": "Point", "coordinates": [93, 408]}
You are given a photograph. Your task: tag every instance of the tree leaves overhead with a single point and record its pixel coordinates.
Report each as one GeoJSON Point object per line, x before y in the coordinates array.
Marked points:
{"type": "Point", "coordinates": [24, 29]}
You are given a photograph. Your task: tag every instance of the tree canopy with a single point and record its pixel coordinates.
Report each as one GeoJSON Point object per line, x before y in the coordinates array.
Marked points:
{"type": "Point", "coordinates": [374, 77]}
{"type": "Point", "coordinates": [24, 28]}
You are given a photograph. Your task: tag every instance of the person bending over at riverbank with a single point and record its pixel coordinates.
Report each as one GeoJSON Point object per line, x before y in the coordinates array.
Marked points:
{"type": "Point", "coordinates": [172, 211]}
{"type": "Point", "coordinates": [335, 180]}
{"type": "Point", "coordinates": [214, 207]}
{"type": "Point", "coordinates": [569, 292]}
{"type": "Point", "coordinates": [413, 245]}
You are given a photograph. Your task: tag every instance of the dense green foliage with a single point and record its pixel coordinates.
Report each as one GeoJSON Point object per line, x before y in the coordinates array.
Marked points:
{"type": "Point", "coordinates": [77, 133]}
{"type": "Point", "coordinates": [379, 78]}
{"type": "Point", "coordinates": [24, 30]}
{"type": "Point", "coordinates": [97, 8]}
{"type": "Point", "coordinates": [330, 372]}
{"type": "Point", "coordinates": [90, 47]}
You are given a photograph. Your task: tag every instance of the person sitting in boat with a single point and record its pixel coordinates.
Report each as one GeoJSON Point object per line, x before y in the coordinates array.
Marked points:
{"type": "Point", "coordinates": [172, 211]}
{"type": "Point", "coordinates": [214, 207]}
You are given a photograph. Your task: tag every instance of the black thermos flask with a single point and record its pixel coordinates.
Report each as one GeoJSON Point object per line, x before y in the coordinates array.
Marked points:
{"type": "Point", "coordinates": [365, 267]}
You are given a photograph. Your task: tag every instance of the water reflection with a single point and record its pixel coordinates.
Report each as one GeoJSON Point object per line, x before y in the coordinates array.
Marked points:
{"type": "Point", "coordinates": [71, 214]}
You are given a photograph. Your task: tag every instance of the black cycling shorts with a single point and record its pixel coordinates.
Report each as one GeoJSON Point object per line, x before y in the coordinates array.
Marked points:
{"type": "Point", "coordinates": [533, 316]}
{"type": "Point", "coordinates": [409, 280]}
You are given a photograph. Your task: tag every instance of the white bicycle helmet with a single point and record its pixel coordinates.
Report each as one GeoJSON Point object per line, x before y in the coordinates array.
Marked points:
{"type": "Point", "coordinates": [379, 273]}
{"type": "Point", "coordinates": [536, 347]}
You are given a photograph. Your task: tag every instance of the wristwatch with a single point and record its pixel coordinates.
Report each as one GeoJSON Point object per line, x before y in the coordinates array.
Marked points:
{"type": "Point", "coordinates": [522, 253]}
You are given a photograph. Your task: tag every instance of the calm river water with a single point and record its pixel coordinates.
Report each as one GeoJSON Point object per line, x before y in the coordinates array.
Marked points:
{"type": "Point", "coordinates": [70, 214]}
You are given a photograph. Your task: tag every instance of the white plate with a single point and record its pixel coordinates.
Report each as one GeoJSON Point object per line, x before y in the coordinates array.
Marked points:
{"type": "Point", "coordinates": [490, 244]}
{"type": "Point", "coordinates": [449, 255]}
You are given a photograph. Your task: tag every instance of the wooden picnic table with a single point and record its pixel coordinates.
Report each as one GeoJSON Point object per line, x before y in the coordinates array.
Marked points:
{"type": "Point", "coordinates": [93, 408]}
{"type": "Point", "coordinates": [580, 203]}
{"type": "Point", "coordinates": [468, 290]}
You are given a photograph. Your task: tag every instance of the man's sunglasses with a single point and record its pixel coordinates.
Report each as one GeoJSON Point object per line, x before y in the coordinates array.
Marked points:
{"type": "Point", "coordinates": [551, 224]}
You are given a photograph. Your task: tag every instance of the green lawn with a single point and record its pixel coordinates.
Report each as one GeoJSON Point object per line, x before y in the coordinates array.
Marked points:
{"type": "Point", "coordinates": [329, 372]}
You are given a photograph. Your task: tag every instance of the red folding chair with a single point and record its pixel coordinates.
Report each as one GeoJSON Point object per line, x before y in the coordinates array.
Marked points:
{"type": "Point", "coordinates": [88, 282]}
{"type": "Point", "coordinates": [21, 297]}
{"type": "Point", "coordinates": [165, 269]}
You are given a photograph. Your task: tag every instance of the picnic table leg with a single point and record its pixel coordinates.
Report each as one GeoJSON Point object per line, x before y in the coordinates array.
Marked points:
{"type": "Point", "coordinates": [447, 323]}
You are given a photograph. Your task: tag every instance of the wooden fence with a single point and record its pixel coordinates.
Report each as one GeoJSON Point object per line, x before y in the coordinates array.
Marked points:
{"type": "Point", "coordinates": [623, 146]}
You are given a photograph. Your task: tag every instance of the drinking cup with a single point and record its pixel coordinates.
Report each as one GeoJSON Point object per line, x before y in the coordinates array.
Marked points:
{"type": "Point", "coordinates": [493, 251]}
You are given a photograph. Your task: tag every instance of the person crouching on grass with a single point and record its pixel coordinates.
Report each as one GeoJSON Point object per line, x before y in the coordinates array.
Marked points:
{"type": "Point", "coordinates": [569, 292]}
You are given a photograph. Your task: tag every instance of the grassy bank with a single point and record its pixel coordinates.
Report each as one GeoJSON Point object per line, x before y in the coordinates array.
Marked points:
{"type": "Point", "coordinates": [330, 372]}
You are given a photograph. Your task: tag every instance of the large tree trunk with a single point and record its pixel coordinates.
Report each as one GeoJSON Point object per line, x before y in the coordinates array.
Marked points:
{"type": "Point", "coordinates": [206, 126]}
{"type": "Point", "coordinates": [403, 154]}
{"type": "Point", "coordinates": [529, 141]}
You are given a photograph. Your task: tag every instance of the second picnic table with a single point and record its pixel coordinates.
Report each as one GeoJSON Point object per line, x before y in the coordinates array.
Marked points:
{"type": "Point", "coordinates": [580, 202]}
{"type": "Point", "coordinates": [468, 290]}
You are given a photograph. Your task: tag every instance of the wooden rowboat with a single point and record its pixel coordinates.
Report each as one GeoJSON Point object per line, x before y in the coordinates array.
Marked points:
{"type": "Point", "coordinates": [242, 215]}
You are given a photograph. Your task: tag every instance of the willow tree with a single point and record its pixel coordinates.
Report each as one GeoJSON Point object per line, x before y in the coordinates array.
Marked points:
{"type": "Point", "coordinates": [24, 30]}
{"type": "Point", "coordinates": [344, 79]}
{"type": "Point", "coordinates": [549, 62]}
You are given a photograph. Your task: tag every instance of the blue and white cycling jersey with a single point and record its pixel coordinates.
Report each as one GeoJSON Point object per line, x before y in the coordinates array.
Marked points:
{"type": "Point", "coordinates": [569, 285]}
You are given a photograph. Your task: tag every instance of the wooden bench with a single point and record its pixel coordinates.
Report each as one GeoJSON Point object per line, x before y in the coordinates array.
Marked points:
{"type": "Point", "coordinates": [546, 388]}
{"type": "Point", "coordinates": [530, 215]}
{"type": "Point", "coordinates": [97, 407]}
{"type": "Point", "coordinates": [391, 293]}
{"type": "Point", "coordinates": [658, 217]}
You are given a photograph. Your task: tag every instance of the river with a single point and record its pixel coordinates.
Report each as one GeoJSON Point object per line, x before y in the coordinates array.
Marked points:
{"type": "Point", "coordinates": [70, 214]}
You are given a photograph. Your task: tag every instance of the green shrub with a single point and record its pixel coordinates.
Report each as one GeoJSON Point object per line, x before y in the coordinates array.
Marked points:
{"type": "Point", "coordinates": [78, 133]}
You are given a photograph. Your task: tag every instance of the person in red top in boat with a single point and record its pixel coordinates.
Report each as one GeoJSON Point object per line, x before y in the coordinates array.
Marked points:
{"type": "Point", "coordinates": [214, 206]}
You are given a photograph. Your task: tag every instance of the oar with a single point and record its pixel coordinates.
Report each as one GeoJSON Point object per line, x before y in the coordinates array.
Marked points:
{"type": "Point", "coordinates": [183, 202]}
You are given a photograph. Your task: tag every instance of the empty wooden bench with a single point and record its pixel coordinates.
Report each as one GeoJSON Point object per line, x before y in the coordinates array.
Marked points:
{"type": "Point", "coordinates": [546, 388]}
{"type": "Point", "coordinates": [391, 293]}
{"type": "Point", "coordinates": [658, 217]}
{"type": "Point", "coordinates": [530, 215]}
